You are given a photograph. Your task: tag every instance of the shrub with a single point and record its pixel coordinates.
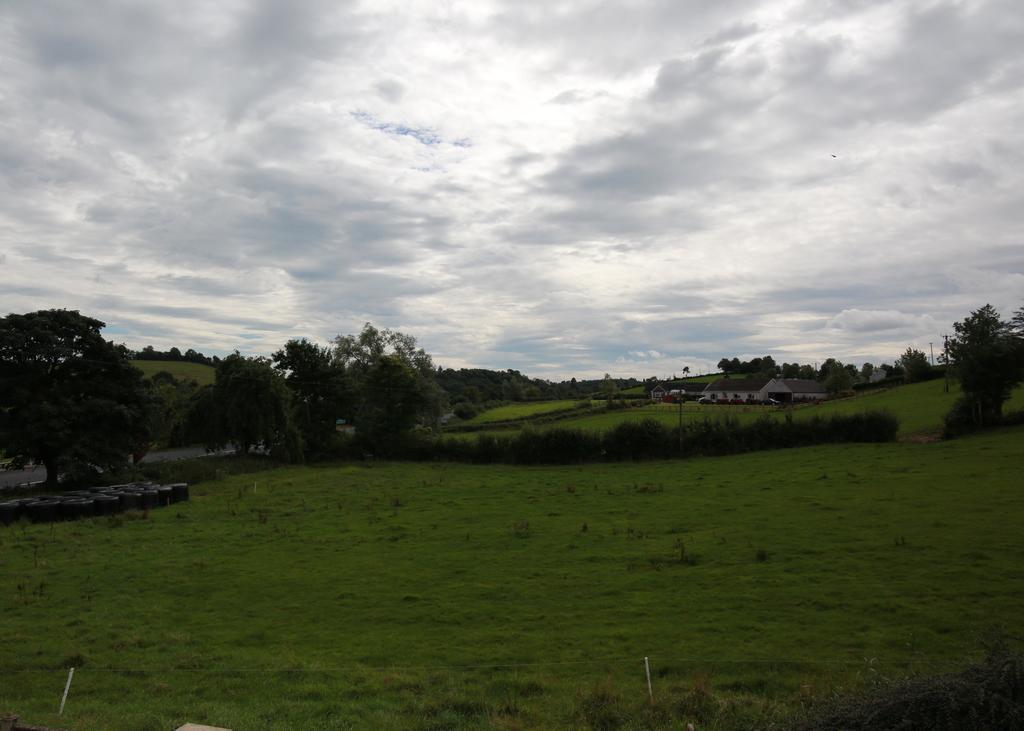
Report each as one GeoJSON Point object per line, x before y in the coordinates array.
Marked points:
{"type": "Point", "coordinates": [988, 694]}
{"type": "Point", "coordinates": [555, 446]}
{"type": "Point", "coordinates": [465, 410]}
{"type": "Point", "coordinates": [961, 419]}
{"type": "Point", "coordinates": [636, 440]}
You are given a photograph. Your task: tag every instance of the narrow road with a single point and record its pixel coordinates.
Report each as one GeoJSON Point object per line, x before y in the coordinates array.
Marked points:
{"type": "Point", "coordinates": [37, 473]}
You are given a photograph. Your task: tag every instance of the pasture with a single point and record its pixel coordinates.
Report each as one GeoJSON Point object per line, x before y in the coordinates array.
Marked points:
{"type": "Point", "coordinates": [431, 596]}
{"type": "Point", "coordinates": [201, 374]}
{"type": "Point", "coordinates": [920, 408]}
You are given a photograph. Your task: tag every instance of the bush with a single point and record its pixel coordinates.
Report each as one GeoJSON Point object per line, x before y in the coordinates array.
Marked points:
{"type": "Point", "coordinates": [465, 410]}
{"type": "Point", "coordinates": [636, 440]}
{"type": "Point", "coordinates": [988, 695]}
{"type": "Point", "coordinates": [555, 446]}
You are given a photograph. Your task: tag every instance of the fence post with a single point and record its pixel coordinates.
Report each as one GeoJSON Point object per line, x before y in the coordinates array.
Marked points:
{"type": "Point", "coordinates": [647, 667]}
{"type": "Point", "coordinates": [71, 674]}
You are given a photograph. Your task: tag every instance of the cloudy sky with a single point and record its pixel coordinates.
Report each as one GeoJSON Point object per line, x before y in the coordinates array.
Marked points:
{"type": "Point", "coordinates": [565, 187]}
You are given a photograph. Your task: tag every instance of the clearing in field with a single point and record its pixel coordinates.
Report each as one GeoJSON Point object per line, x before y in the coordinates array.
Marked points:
{"type": "Point", "coordinates": [427, 596]}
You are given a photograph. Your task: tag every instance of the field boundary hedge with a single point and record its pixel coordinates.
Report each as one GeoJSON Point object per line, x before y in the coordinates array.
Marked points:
{"type": "Point", "coordinates": [640, 440]}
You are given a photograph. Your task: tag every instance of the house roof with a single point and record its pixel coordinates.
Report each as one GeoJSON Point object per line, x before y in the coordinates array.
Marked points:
{"type": "Point", "coordinates": [692, 387]}
{"type": "Point", "coordinates": [686, 386]}
{"type": "Point", "coordinates": [738, 384]}
{"type": "Point", "coordinates": [804, 385]}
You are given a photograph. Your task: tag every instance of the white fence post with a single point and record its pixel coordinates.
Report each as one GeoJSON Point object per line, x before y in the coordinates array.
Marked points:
{"type": "Point", "coordinates": [71, 674]}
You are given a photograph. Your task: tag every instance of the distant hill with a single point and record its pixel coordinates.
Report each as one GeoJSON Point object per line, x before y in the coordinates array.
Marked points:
{"type": "Point", "coordinates": [201, 374]}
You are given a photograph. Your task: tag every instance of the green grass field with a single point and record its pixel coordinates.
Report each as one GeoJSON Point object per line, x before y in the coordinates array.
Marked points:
{"type": "Point", "coordinates": [521, 411]}
{"type": "Point", "coordinates": [201, 374]}
{"type": "Point", "coordinates": [429, 596]}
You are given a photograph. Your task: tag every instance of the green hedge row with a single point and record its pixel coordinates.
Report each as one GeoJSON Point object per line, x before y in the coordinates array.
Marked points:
{"type": "Point", "coordinates": [639, 440]}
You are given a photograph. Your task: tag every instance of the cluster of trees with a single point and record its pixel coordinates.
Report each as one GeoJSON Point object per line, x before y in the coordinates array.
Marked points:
{"type": "Point", "coordinates": [291, 403]}
{"type": "Point", "coordinates": [74, 402]}
{"type": "Point", "coordinates": [986, 355]}
{"type": "Point", "coordinates": [480, 386]}
{"type": "Point", "coordinates": [174, 354]}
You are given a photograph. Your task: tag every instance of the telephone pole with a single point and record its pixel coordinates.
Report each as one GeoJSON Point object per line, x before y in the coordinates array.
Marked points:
{"type": "Point", "coordinates": [932, 351]}
{"type": "Point", "coordinates": [945, 357]}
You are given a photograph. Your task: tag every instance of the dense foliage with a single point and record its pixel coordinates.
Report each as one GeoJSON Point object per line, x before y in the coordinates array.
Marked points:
{"type": "Point", "coordinates": [68, 398]}
{"type": "Point", "coordinates": [248, 406]}
{"type": "Point", "coordinates": [987, 356]}
{"type": "Point", "coordinates": [480, 385]}
{"type": "Point", "coordinates": [320, 391]}
{"type": "Point", "coordinates": [175, 355]}
{"type": "Point", "coordinates": [393, 384]}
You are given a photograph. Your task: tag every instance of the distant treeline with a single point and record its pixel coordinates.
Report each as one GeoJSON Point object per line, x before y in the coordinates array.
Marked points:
{"type": "Point", "coordinates": [174, 354]}
{"type": "Point", "coordinates": [480, 385]}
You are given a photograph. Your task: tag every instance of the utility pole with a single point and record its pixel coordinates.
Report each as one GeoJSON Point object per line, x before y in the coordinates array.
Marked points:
{"type": "Point", "coordinates": [946, 358]}
{"type": "Point", "coordinates": [932, 351]}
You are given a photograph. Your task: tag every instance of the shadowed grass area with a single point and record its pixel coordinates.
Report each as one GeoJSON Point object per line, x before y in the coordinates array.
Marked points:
{"type": "Point", "coordinates": [459, 596]}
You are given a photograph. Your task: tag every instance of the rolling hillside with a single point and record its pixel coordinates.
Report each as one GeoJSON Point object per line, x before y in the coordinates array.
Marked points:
{"type": "Point", "coordinates": [201, 374]}
{"type": "Point", "coordinates": [920, 408]}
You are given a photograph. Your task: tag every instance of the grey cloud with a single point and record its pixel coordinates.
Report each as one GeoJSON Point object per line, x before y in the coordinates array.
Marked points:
{"type": "Point", "coordinates": [390, 90]}
{"type": "Point", "coordinates": [577, 96]}
{"type": "Point", "coordinates": [873, 321]}
{"type": "Point", "coordinates": [198, 163]}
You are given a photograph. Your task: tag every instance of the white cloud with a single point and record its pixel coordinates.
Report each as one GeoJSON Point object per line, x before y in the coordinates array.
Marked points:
{"type": "Point", "coordinates": [562, 189]}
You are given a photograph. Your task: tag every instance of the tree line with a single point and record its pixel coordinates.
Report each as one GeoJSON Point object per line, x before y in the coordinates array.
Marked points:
{"type": "Point", "coordinates": [174, 355]}
{"type": "Point", "coordinates": [73, 401]}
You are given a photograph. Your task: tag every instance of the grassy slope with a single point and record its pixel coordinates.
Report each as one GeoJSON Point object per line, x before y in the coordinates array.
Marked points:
{"type": "Point", "coordinates": [341, 597]}
{"type": "Point", "coordinates": [520, 410]}
{"type": "Point", "coordinates": [920, 408]}
{"type": "Point", "coordinates": [201, 374]}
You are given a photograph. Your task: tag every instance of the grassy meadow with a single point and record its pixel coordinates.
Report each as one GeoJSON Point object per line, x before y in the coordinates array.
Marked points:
{"type": "Point", "coordinates": [201, 374]}
{"type": "Point", "coordinates": [441, 596]}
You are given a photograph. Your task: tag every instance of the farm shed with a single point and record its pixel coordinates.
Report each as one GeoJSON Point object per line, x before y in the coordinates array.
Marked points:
{"type": "Point", "coordinates": [743, 389]}
{"type": "Point", "coordinates": [797, 389]}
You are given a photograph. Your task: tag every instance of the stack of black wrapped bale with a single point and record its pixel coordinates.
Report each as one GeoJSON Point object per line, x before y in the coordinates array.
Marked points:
{"type": "Point", "coordinates": [96, 501]}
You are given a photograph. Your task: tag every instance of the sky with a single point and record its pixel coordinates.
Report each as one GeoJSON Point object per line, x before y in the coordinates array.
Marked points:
{"type": "Point", "coordinates": [566, 188]}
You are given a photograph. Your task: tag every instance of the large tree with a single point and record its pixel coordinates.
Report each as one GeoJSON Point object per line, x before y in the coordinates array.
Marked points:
{"type": "Point", "coordinates": [319, 389]}
{"type": "Point", "coordinates": [988, 359]}
{"type": "Point", "coordinates": [68, 398]}
{"type": "Point", "coordinates": [249, 406]}
{"type": "Point", "coordinates": [394, 383]}
{"type": "Point", "coordinates": [838, 380]}
{"type": "Point", "coordinates": [915, 365]}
